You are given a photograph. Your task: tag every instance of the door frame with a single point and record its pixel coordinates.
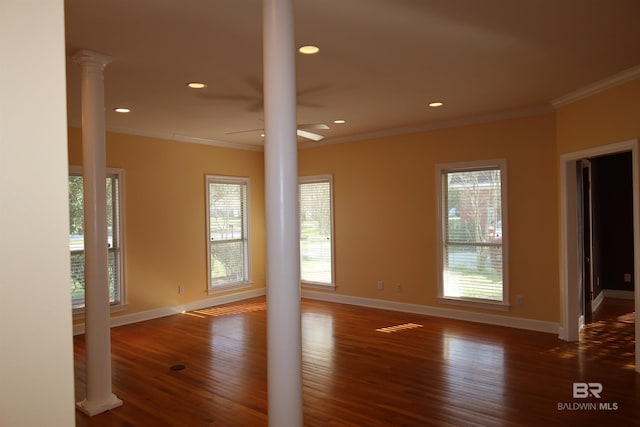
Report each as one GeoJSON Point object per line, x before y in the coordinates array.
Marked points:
{"type": "Point", "coordinates": [570, 274]}
{"type": "Point", "coordinates": [585, 234]}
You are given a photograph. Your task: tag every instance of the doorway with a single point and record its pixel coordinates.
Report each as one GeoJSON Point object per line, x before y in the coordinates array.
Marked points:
{"type": "Point", "coordinates": [585, 232]}
{"type": "Point", "coordinates": [572, 238]}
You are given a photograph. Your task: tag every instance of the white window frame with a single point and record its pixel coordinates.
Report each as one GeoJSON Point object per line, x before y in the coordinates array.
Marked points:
{"type": "Point", "coordinates": [246, 280]}
{"type": "Point", "coordinates": [119, 250]}
{"type": "Point", "coordinates": [310, 180]}
{"type": "Point", "coordinates": [442, 218]}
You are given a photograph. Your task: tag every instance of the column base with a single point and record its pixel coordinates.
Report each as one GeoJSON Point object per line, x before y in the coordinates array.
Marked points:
{"type": "Point", "coordinates": [95, 408]}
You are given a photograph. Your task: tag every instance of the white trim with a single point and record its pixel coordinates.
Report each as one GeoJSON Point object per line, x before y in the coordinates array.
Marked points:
{"type": "Point", "coordinates": [599, 86]}
{"type": "Point", "coordinates": [447, 124]}
{"type": "Point", "coordinates": [78, 313]}
{"type": "Point", "coordinates": [230, 287]}
{"type": "Point", "coordinates": [595, 303]}
{"type": "Point", "coordinates": [618, 294]}
{"type": "Point", "coordinates": [75, 170]}
{"type": "Point", "coordinates": [319, 179]}
{"type": "Point", "coordinates": [314, 285]}
{"type": "Point", "coordinates": [470, 302]}
{"type": "Point", "coordinates": [142, 316]}
{"type": "Point", "coordinates": [489, 319]}
{"type": "Point", "coordinates": [501, 165]}
{"type": "Point", "coordinates": [570, 274]}
{"type": "Point", "coordinates": [234, 180]}
{"type": "Point", "coordinates": [569, 263]}
{"type": "Point", "coordinates": [92, 408]}
{"type": "Point", "coordinates": [427, 127]}
{"type": "Point", "coordinates": [176, 137]}
{"type": "Point", "coordinates": [604, 84]}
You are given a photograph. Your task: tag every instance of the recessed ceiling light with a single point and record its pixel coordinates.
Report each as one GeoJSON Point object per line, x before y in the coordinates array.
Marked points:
{"type": "Point", "coordinates": [436, 104]}
{"type": "Point", "coordinates": [122, 110]}
{"type": "Point", "coordinates": [339, 121]}
{"type": "Point", "coordinates": [309, 49]}
{"type": "Point", "coordinates": [196, 85]}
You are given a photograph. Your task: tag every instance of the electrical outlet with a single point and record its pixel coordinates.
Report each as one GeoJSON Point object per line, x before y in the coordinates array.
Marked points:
{"type": "Point", "coordinates": [380, 285]}
{"type": "Point", "coordinates": [181, 289]}
{"type": "Point", "coordinates": [519, 299]}
{"type": "Point", "coordinates": [627, 277]}
{"type": "Point", "coordinates": [398, 287]}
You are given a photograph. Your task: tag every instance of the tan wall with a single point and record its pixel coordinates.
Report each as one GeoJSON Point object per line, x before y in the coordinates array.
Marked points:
{"type": "Point", "coordinates": [385, 214]}
{"type": "Point", "coordinates": [36, 351]}
{"type": "Point", "coordinates": [164, 210]}
{"type": "Point", "coordinates": [605, 118]}
{"type": "Point", "coordinates": [385, 209]}
{"type": "Point", "coordinates": [385, 203]}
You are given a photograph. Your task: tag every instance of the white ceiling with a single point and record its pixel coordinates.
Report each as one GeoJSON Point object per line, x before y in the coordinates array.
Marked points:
{"type": "Point", "coordinates": [381, 61]}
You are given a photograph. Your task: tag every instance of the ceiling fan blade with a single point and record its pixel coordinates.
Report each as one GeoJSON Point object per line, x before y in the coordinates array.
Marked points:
{"type": "Point", "coordinates": [316, 126]}
{"type": "Point", "coordinates": [245, 131]}
{"type": "Point", "coordinates": [309, 135]}
{"type": "Point", "coordinates": [299, 131]}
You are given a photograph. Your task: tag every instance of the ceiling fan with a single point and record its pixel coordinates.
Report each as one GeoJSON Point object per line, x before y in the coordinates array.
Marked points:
{"type": "Point", "coordinates": [302, 131]}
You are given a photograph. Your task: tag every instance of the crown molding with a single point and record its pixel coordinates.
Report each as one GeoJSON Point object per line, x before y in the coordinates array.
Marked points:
{"type": "Point", "coordinates": [446, 124]}
{"type": "Point", "coordinates": [592, 89]}
{"type": "Point", "coordinates": [178, 137]}
{"type": "Point", "coordinates": [599, 86]}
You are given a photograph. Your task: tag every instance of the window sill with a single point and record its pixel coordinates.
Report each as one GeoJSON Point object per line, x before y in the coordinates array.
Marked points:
{"type": "Point", "coordinates": [226, 288]}
{"type": "Point", "coordinates": [319, 286]}
{"type": "Point", "coordinates": [78, 313]}
{"type": "Point", "coordinates": [485, 304]}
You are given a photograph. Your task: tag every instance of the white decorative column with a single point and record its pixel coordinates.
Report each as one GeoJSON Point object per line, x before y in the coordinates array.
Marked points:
{"type": "Point", "coordinates": [284, 343]}
{"type": "Point", "coordinates": [98, 335]}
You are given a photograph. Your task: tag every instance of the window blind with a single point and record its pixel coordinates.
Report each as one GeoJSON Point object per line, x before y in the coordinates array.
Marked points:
{"type": "Point", "coordinates": [315, 232]}
{"type": "Point", "coordinates": [227, 232]}
{"type": "Point", "coordinates": [472, 234]}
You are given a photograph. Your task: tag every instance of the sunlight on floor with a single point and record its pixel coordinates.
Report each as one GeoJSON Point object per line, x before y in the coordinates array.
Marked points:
{"type": "Point", "coordinates": [227, 310]}
{"type": "Point", "coordinates": [612, 339]}
{"type": "Point", "coordinates": [404, 326]}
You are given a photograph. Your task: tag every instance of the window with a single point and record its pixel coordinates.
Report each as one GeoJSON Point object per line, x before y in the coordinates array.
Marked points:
{"type": "Point", "coordinates": [114, 237]}
{"type": "Point", "coordinates": [472, 232]}
{"type": "Point", "coordinates": [316, 230]}
{"type": "Point", "coordinates": [227, 232]}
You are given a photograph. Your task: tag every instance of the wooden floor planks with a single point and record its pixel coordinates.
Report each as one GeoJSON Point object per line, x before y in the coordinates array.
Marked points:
{"type": "Point", "coordinates": [444, 373]}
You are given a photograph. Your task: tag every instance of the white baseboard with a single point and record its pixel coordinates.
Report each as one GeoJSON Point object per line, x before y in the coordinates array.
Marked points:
{"type": "Point", "coordinates": [595, 304]}
{"type": "Point", "coordinates": [490, 319]}
{"type": "Point", "coordinates": [126, 319]}
{"type": "Point", "coordinates": [613, 293]}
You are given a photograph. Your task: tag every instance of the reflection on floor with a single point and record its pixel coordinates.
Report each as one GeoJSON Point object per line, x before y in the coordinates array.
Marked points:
{"type": "Point", "coordinates": [228, 310]}
{"type": "Point", "coordinates": [611, 335]}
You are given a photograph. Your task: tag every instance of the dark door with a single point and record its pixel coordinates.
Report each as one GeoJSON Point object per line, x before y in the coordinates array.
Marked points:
{"type": "Point", "coordinates": [586, 230]}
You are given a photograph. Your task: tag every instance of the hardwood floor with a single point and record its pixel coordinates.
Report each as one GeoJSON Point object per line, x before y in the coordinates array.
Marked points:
{"type": "Point", "coordinates": [441, 373]}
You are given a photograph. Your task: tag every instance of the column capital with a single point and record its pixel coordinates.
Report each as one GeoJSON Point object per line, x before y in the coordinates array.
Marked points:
{"type": "Point", "coordinates": [89, 57]}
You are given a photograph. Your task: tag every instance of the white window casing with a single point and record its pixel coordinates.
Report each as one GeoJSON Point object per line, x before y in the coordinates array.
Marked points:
{"type": "Point", "coordinates": [227, 204]}
{"type": "Point", "coordinates": [316, 231]}
{"type": "Point", "coordinates": [115, 234]}
{"type": "Point", "coordinates": [472, 233]}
